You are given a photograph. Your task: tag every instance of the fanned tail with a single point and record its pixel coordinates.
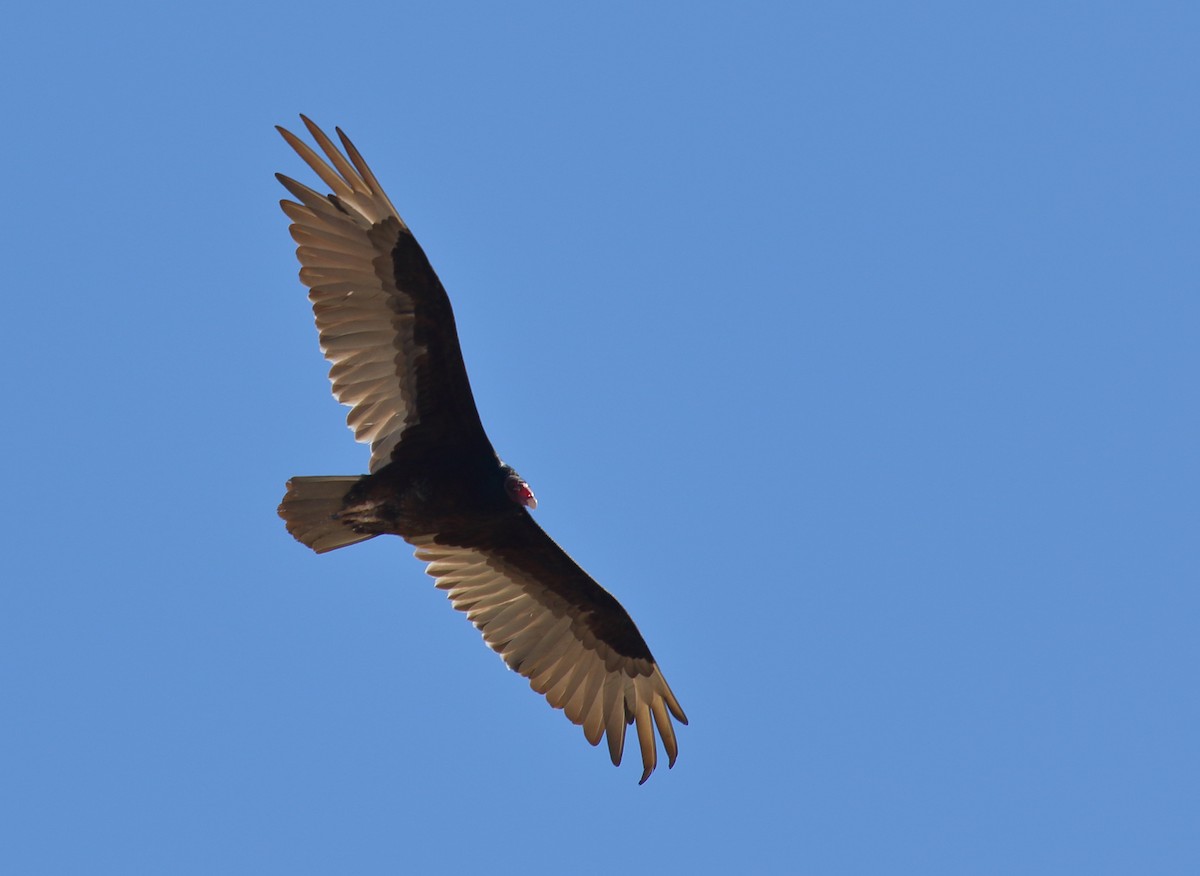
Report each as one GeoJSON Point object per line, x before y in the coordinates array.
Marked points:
{"type": "Point", "coordinates": [310, 511]}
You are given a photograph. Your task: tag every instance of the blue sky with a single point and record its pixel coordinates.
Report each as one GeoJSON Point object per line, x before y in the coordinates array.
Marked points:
{"type": "Point", "coordinates": [852, 346]}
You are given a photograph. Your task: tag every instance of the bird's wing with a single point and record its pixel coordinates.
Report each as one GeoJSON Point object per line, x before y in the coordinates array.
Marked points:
{"type": "Point", "coordinates": [384, 319]}
{"type": "Point", "coordinates": [557, 627]}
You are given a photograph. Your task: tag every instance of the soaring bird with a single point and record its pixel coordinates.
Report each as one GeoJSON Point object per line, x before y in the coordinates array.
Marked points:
{"type": "Point", "coordinates": [387, 329]}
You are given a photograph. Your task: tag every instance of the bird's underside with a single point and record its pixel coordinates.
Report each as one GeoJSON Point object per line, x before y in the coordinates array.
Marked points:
{"type": "Point", "coordinates": [387, 329]}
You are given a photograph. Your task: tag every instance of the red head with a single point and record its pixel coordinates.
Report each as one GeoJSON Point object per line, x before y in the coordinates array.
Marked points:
{"type": "Point", "coordinates": [518, 490]}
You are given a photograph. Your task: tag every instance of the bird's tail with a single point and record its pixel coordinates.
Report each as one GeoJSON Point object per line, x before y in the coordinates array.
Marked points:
{"type": "Point", "coordinates": [310, 511]}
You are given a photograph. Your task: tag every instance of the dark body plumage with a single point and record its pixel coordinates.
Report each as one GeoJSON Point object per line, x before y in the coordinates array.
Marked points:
{"type": "Point", "coordinates": [387, 328]}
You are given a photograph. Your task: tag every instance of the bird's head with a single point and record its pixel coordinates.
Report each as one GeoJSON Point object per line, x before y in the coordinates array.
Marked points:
{"type": "Point", "coordinates": [516, 487]}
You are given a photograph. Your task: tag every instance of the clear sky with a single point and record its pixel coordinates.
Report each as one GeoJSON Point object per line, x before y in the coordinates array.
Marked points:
{"type": "Point", "coordinates": [853, 346]}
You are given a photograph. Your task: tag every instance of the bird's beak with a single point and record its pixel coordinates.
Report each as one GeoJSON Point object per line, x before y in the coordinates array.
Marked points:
{"type": "Point", "coordinates": [528, 499]}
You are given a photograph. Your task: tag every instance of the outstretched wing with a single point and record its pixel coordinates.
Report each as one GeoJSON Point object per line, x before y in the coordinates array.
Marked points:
{"type": "Point", "coordinates": [560, 629]}
{"type": "Point", "coordinates": [384, 319]}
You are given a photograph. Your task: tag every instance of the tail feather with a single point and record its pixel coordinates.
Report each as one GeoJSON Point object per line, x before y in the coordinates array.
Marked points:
{"type": "Point", "coordinates": [310, 507]}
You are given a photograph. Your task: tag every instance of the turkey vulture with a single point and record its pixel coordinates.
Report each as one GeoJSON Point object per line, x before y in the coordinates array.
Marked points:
{"type": "Point", "coordinates": [387, 329]}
